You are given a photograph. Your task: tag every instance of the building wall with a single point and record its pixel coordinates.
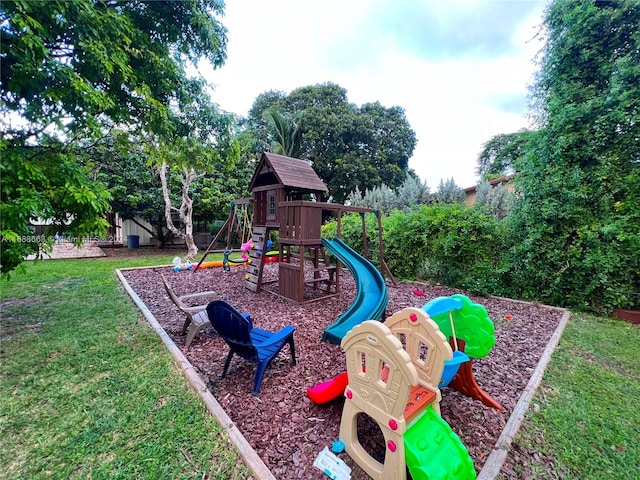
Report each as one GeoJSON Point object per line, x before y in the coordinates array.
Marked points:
{"type": "Point", "coordinates": [131, 228]}
{"type": "Point", "coordinates": [471, 192]}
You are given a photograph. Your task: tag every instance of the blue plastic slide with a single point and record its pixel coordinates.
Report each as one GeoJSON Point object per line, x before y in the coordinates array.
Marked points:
{"type": "Point", "coordinates": [371, 297]}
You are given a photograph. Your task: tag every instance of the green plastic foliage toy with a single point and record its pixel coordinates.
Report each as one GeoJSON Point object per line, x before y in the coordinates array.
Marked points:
{"type": "Point", "coordinates": [458, 317]}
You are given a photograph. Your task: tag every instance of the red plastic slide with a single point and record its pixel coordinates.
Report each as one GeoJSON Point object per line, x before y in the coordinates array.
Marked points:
{"type": "Point", "coordinates": [329, 390]}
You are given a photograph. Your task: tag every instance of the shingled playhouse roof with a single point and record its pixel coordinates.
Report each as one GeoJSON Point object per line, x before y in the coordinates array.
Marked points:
{"type": "Point", "coordinates": [287, 172]}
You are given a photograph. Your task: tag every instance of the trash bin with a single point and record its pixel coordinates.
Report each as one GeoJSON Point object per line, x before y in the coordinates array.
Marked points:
{"type": "Point", "coordinates": [133, 241]}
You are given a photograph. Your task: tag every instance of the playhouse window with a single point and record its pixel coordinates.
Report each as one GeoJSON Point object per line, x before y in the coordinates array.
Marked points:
{"type": "Point", "coordinates": [423, 352]}
{"type": "Point", "coordinates": [384, 373]}
{"type": "Point", "coordinates": [271, 205]}
{"type": "Point", "coordinates": [403, 340]}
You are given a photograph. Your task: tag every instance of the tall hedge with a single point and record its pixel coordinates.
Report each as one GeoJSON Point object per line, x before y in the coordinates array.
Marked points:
{"type": "Point", "coordinates": [576, 225]}
{"type": "Point", "coordinates": [449, 244]}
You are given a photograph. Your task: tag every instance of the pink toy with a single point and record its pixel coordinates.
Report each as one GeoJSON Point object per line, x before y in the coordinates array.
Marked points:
{"type": "Point", "coordinates": [245, 247]}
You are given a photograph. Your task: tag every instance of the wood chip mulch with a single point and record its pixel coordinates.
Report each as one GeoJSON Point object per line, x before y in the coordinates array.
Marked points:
{"type": "Point", "coordinates": [281, 423]}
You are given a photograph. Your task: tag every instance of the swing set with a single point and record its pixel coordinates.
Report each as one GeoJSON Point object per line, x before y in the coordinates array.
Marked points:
{"type": "Point", "coordinates": [237, 226]}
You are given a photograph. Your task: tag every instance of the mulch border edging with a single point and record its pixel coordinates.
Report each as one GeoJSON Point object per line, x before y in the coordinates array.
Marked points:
{"type": "Point", "coordinates": [491, 467]}
{"type": "Point", "coordinates": [498, 455]}
{"type": "Point", "coordinates": [247, 453]}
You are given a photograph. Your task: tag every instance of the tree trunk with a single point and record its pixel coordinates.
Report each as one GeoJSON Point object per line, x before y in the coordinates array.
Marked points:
{"type": "Point", "coordinates": [185, 211]}
{"type": "Point", "coordinates": [159, 233]}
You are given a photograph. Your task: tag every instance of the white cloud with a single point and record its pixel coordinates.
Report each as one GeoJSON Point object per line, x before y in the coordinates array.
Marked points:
{"type": "Point", "coordinates": [453, 104]}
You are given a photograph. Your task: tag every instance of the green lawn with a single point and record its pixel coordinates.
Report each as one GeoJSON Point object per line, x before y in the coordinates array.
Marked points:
{"type": "Point", "coordinates": [585, 417]}
{"type": "Point", "coordinates": [88, 390]}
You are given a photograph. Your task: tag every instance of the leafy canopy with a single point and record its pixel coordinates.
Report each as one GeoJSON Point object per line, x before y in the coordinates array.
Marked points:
{"type": "Point", "coordinates": [70, 72]}
{"type": "Point", "coordinates": [80, 64]}
{"type": "Point", "coordinates": [501, 154]}
{"type": "Point", "coordinates": [575, 224]}
{"type": "Point", "coordinates": [348, 146]}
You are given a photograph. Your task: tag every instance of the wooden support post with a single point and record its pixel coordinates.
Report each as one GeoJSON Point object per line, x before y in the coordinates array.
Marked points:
{"type": "Point", "coordinates": [365, 247]}
{"type": "Point", "coordinates": [227, 226]}
{"type": "Point", "coordinates": [339, 235]}
{"type": "Point", "coordinates": [215, 239]}
{"type": "Point", "coordinates": [383, 265]}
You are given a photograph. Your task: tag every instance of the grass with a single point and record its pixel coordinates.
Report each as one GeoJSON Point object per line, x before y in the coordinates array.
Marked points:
{"type": "Point", "coordinates": [87, 389]}
{"type": "Point", "coordinates": [586, 419]}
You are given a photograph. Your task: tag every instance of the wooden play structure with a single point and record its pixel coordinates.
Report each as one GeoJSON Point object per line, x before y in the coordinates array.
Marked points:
{"type": "Point", "coordinates": [394, 371]}
{"type": "Point", "coordinates": [288, 199]}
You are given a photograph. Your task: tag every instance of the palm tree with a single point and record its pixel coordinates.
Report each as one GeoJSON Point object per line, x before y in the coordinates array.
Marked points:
{"type": "Point", "coordinates": [285, 133]}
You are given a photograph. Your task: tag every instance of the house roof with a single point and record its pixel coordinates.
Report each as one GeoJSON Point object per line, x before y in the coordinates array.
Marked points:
{"type": "Point", "coordinates": [493, 183]}
{"type": "Point", "coordinates": [288, 172]}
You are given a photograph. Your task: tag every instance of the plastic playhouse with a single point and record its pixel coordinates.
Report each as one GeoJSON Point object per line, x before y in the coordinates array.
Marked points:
{"type": "Point", "coordinates": [470, 333]}
{"type": "Point", "coordinates": [394, 371]}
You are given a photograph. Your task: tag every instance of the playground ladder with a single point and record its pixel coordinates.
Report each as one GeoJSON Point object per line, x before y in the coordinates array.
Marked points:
{"type": "Point", "coordinates": [259, 240]}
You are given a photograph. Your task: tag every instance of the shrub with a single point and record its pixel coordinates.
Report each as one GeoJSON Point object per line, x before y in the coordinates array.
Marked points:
{"type": "Point", "coordinates": [456, 245]}
{"type": "Point", "coordinates": [451, 244]}
{"type": "Point", "coordinates": [351, 233]}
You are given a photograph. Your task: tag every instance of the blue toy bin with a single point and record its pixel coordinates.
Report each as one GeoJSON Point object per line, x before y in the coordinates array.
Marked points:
{"type": "Point", "coordinates": [133, 241]}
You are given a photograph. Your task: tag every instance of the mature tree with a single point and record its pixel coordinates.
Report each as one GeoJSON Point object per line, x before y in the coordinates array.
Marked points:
{"type": "Point", "coordinates": [206, 145]}
{"type": "Point", "coordinates": [133, 182]}
{"type": "Point", "coordinates": [348, 146]}
{"type": "Point", "coordinates": [389, 141]}
{"type": "Point", "coordinates": [219, 186]}
{"type": "Point", "coordinates": [179, 159]}
{"type": "Point", "coordinates": [249, 155]}
{"type": "Point", "coordinates": [78, 64]}
{"type": "Point", "coordinates": [185, 211]}
{"type": "Point", "coordinates": [449, 192]}
{"type": "Point", "coordinates": [380, 198]}
{"type": "Point", "coordinates": [46, 181]}
{"type": "Point", "coordinates": [501, 154]}
{"type": "Point", "coordinates": [413, 192]}
{"type": "Point", "coordinates": [577, 240]}
{"type": "Point", "coordinates": [72, 70]}
{"type": "Point", "coordinates": [127, 167]}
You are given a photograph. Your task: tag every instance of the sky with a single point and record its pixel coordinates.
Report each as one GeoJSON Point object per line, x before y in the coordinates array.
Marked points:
{"type": "Point", "coordinates": [459, 68]}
